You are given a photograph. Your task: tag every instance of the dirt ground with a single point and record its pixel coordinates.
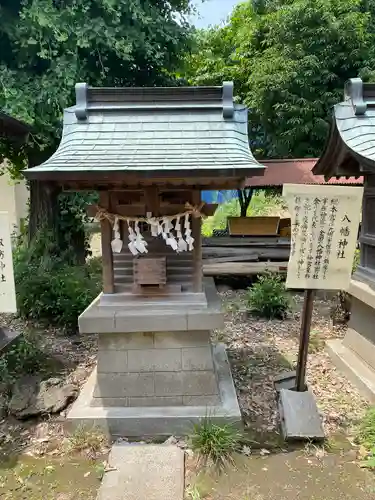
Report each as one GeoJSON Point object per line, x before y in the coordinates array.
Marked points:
{"type": "Point", "coordinates": [286, 475]}
{"type": "Point", "coordinates": [32, 456]}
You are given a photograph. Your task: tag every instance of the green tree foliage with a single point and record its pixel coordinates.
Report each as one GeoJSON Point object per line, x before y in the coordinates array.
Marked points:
{"type": "Point", "coordinates": [289, 60]}
{"type": "Point", "coordinates": [46, 46]}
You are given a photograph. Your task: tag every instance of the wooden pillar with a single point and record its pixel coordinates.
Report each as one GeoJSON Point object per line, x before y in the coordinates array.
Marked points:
{"type": "Point", "coordinates": [197, 253]}
{"type": "Point", "coordinates": [107, 255]}
{"type": "Point", "coordinates": [152, 200]}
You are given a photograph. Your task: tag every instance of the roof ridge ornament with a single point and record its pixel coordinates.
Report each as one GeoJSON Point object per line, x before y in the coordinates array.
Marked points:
{"type": "Point", "coordinates": [228, 103]}
{"type": "Point", "coordinates": [81, 101]}
{"type": "Point", "coordinates": [354, 91]}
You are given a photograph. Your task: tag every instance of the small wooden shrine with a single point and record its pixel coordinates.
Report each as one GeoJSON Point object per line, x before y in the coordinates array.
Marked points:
{"type": "Point", "coordinates": [350, 152]}
{"type": "Point", "coordinates": [149, 152]}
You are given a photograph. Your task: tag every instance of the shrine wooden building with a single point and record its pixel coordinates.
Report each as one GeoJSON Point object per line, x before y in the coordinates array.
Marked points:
{"type": "Point", "coordinates": [149, 152]}
{"type": "Point", "coordinates": [350, 151]}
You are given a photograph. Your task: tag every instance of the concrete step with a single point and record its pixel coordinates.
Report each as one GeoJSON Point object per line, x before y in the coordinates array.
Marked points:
{"type": "Point", "coordinates": [144, 472]}
{"type": "Point", "coordinates": [361, 346]}
{"type": "Point", "coordinates": [186, 299]}
{"type": "Point", "coordinates": [355, 369]}
{"type": "Point", "coordinates": [170, 279]}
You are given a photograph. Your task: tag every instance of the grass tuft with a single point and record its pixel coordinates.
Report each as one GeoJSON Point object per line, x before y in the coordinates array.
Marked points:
{"type": "Point", "coordinates": [366, 430]}
{"type": "Point", "coordinates": [366, 437]}
{"type": "Point", "coordinates": [90, 440]}
{"type": "Point", "coordinates": [215, 443]}
{"type": "Point", "coordinates": [193, 493]}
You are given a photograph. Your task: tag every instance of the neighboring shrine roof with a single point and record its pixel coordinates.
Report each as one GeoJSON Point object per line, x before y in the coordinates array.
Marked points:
{"type": "Point", "coordinates": [10, 127]}
{"type": "Point", "coordinates": [294, 171]}
{"type": "Point", "coordinates": [350, 149]}
{"type": "Point", "coordinates": [152, 132]}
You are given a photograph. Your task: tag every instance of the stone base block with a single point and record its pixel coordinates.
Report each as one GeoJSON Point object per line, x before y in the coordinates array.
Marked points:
{"type": "Point", "coordinates": [169, 416]}
{"type": "Point", "coordinates": [355, 354]}
{"type": "Point", "coordinates": [155, 369]}
{"type": "Point", "coordinates": [356, 370]}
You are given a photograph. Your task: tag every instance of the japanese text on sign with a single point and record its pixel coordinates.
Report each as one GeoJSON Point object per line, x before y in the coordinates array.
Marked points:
{"type": "Point", "coordinates": [7, 287]}
{"type": "Point", "coordinates": [325, 221]}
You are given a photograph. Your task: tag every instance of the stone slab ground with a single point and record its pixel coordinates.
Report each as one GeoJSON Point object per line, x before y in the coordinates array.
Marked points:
{"type": "Point", "coordinates": [149, 472]}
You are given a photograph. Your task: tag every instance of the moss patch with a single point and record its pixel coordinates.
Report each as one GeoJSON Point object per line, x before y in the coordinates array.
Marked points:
{"type": "Point", "coordinates": [65, 478]}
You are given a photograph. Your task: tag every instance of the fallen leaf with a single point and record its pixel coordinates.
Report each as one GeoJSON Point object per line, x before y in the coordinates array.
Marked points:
{"type": "Point", "coordinates": [246, 450]}
{"type": "Point", "coordinates": [86, 474]}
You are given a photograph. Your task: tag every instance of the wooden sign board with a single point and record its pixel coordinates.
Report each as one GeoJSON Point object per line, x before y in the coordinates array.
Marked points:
{"type": "Point", "coordinates": [7, 286]}
{"type": "Point", "coordinates": [325, 221]}
{"type": "Point", "coordinates": [253, 226]}
{"type": "Point", "coordinates": [150, 271]}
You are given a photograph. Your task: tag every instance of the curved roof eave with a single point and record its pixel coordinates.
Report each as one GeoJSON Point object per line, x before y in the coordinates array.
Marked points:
{"type": "Point", "coordinates": [350, 148]}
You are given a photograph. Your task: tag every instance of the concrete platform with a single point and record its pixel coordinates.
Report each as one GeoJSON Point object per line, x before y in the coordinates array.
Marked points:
{"type": "Point", "coordinates": [158, 421]}
{"type": "Point", "coordinates": [353, 366]}
{"type": "Point", "coordinates": [144, 472]}
{"type": "Point", "coordinates": [113, 314]}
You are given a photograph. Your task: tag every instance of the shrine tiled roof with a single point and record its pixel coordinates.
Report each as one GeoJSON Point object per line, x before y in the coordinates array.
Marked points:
{"type": "Point", "coordinates": [350, 148]}
{"type": "Point", "coordinates": [153, 131]}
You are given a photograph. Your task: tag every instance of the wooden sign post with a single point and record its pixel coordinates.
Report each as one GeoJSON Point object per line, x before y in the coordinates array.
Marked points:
{"type": "Point", "coordinates": [325, 221]}
{"type": "Point", "coordinates": [307, 311]}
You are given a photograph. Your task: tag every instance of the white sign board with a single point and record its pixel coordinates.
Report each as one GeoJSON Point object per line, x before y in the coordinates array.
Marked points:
{"type": "Point", "coordinates": [325, 222]}
{"type": "Point", "coordinates": [7, 286]}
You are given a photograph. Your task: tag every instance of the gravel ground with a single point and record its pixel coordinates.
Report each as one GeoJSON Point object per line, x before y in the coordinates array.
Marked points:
{"type": "Point", "coordinates": [259, 350]}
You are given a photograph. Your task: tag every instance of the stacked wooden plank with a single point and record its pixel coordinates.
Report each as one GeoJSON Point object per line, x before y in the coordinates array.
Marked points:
{"type": "Point", "coordinates": [244, 255]}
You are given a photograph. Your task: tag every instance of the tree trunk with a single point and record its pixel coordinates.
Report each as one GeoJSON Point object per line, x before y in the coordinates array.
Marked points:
{"type": "Point", "coordinates": [77, 244]}
{"type": "Point", "coordinates": [45, 215]}
{"type": "Point", "coordinates": [244, 197]}
{"type": "Point", "coordinates": [44, 209]}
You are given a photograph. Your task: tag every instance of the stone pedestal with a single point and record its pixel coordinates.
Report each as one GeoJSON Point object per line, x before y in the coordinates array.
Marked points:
{"type": "Point", "coordinates": [155, 369]}
{"type": "Point", "coordinates": [160, 378]}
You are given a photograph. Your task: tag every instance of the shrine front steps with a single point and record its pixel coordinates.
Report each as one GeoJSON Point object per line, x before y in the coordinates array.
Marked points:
{"type": "Point", "coordinates": [138, 472]}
